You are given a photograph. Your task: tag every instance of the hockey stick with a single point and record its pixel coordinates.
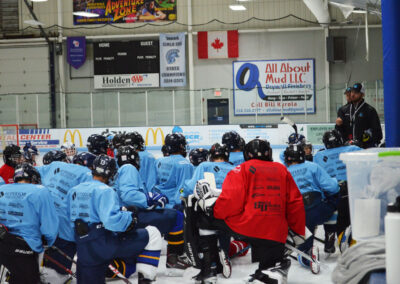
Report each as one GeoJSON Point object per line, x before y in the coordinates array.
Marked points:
{"type": "Point", "coordinates": [59, 265]}
{"type": "Point", "coordinates": [110, 266]}
{"type": "Point", "coordinates": [240, 251]}
{"type": "Point", "coordinates": [287, 120]}
{"type": "Point", "coordinates": [306, 256]}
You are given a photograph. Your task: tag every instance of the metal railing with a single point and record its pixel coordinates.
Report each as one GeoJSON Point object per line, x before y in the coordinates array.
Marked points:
{"type": "Point", "coordinates": [165, 107]}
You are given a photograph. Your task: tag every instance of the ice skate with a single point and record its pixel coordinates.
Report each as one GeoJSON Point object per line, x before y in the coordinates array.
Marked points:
{"type": "Point", "coordinates": [176, 264]}
{"type": "Point", "coordinates": [207, 275]}
{"type": "Point", "coordinates": [329, 247]}
{"type": "Point", "coordinates": [314, 265]}
{"type": "Point", "coordinates": [274, 275]}
{"type": "Point", "coordinates": [226, 266]}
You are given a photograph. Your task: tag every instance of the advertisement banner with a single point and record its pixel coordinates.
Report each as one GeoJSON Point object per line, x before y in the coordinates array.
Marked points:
{"type": "Point", "coordinates": [125, 11]}
{"type": "Point", "coordinates": [132, 64]}
{"type": "Point", "coordinates": [126, 81]}
{"type": "Point", "coordinates": [76, 51]}
{"type": "Point", "coordinates": [172, 60]}
{"type": "Point", "coordinates": [274, 86]}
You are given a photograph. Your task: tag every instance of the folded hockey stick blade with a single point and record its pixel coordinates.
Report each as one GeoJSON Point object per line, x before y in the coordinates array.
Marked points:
{"type": "Point", "coordinates": [287, 120]}
{"type": "Point", "coordinates": [211, 179]}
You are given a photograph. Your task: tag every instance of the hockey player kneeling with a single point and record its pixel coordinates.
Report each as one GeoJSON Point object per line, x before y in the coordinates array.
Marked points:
{"type": "Point", "coordinates": [258, 202]}
{"type": "Point", "coordinates": [31, 219]}
{"type": "Point", "coordinates": [104, 232]}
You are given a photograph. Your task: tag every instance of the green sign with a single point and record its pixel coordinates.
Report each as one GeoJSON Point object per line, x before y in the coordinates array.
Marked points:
{"type": "Point", "coordinates": [315, 132]}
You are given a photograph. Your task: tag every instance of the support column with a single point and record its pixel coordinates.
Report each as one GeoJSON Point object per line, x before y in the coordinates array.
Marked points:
{"type": "Point", "coordinates": [391, 70]}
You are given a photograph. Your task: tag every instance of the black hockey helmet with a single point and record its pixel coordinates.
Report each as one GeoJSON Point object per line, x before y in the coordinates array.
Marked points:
{"type": "Point", "coordinates": [219, 151]}
{"type": "Point", "coordinates": [84, 159]}
{"type": "Point", "coordinates": [232, 140]}
{"type": "Point", "coordinates": [118, 140]}
{"type": "Point", "coordinates": [332, 139]}
{"type": "Point", "coordinates": [258, 149]}
{"type": "Point", "coordinates": [164, 150]}
{"type": "Point", "coordinates": [136, 140]}
{"type": "Point", "coordinates": [97, 144]}
{"type": "Point", "coordinates": [242, 144]}
{"type": "Point", "coordinates": [12, 155]}
{"type": "Point", "coordinates": [296, 138]}
{"type": "Point", "coordinates": [197, 156]}
{"type": "Point", "coordinates": [128, 155]}
{"type": "Point", "coordinates": [294, 153]}
{"type": "Point", "coordinates": [176, 143]}
{"type": "Point", "coordinates": [104, 166]}
{"type": "Point", "coordinates": [53, 156]}
{"type": "Point", "coordinates": [27, 172]}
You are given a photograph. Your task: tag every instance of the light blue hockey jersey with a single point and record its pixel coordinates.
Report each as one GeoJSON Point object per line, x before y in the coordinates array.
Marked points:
{"type": "Point", "coordinates": [147, 170]}
{"type": "Point", "coordinates": [130, 187]}
{"type": "Point", "coordinates": [59, 178]}
{"type": "Point", "coordinates": [329, 160]}
{"type": "Point", "coordinates": [311, 177]}
{"type": "Point", "coordinates": [27, 210]}
{"type": "Point", "coordinates": [219, 169]}
{"type": "Point", "coordinates": [95, 202]}
{"type": "Point", "coordinates": [236, 158]}
{"type": "Point", "coordinates": [172, 171]}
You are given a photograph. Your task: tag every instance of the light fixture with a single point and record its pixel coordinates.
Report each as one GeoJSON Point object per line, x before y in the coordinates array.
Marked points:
{"type": "Point", "coordinates": [38, 0]}
{"type": "Point", "coordinates": [33, 23]}
{"type": "Point", "coordinates": [243, 0]}
{"type": "Point", "coordinates": [359, 11]}
{"type": "Point", "coordinates": [85, 14]}
{"type": "Point", "coordinates": [237, 7]}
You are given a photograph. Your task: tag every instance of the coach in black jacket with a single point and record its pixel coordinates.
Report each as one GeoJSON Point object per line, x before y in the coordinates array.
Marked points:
{"type": "Point", "coordinates": [364, 120]}
{"type": "Point", "coordinates": [343, 118]}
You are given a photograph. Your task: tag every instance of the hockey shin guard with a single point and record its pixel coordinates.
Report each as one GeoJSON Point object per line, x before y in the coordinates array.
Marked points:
{"type": "Point", "coordinates": [148, 259]}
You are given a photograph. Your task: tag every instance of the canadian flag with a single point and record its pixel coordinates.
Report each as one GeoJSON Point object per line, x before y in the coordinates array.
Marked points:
{"type": "Point", "coordinates": [223, 44]}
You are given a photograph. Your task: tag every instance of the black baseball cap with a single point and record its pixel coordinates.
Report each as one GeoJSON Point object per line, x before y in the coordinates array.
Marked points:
{"type": "Point", "coordinates": [348, 90]}
{"type": "Point", "coordinates": [358, 88]}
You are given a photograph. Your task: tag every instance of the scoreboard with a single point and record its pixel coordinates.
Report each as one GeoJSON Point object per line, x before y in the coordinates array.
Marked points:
{"type": "Point", "coordinates": [130, 64]}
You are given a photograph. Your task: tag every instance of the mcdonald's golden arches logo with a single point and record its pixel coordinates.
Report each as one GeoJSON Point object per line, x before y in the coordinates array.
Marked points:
{"type": "Point", "coordinates": [154, 133]}
{"type": "Point", "coordinates": [72, 137]}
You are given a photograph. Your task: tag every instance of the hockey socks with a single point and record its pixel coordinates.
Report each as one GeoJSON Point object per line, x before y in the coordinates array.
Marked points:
{"type": "Point", "coordinates": [237, 248]}
{"type": "Point", "coordinates": [175, 238]}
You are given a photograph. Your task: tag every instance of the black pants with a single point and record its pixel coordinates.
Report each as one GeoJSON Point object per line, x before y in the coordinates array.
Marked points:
{"type": "Point", "coordinates": [20, 260]}
{"type": "Point", "coordinates": [343, 220]}
{"type": "Point", "coordinates": [266, 252]}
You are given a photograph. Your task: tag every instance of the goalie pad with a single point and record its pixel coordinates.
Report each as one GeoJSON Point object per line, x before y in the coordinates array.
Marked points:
{"type": "Point", "coordinates": [191, 232]}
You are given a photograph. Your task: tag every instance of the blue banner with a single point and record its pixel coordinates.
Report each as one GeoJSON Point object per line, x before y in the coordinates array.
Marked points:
{"type": "Point", "coordinates": [76, 51]}
{"type": "Point", "coordinates": [172, 60]}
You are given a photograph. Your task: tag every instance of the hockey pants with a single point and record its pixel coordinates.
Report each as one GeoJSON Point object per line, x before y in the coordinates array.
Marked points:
{"type": "Point", "coordinates": [100, 246]}
{"type": "Point", "coordinates": [20, 260]}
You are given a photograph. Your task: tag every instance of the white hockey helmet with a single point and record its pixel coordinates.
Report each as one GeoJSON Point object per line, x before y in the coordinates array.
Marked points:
{"type": "Point", "coordinates": [68, 148]}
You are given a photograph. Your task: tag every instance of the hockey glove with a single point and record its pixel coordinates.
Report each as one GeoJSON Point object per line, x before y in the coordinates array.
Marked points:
{"type": "Point", "coordinates": [132, 225]}
{"type": "Point", "coordinates": [206, 205]}
{"type": "Point", "coordinates": [155, 199]}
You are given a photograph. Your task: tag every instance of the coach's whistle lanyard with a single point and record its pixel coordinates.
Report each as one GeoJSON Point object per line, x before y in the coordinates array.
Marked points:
{"type": "Point", "coordinates": [353, 116]}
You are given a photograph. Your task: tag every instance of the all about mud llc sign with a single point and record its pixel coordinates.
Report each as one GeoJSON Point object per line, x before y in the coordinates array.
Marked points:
{"type": "Point", "coordinates": [274, 86]}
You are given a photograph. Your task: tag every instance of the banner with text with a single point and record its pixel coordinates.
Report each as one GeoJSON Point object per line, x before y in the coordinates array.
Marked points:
{"type": "Point", "coordinates": [124, 11]}
{"type": "Point", "coordinates": [274, 87]}
{"type": "Point", "coordinates": [172, 60]}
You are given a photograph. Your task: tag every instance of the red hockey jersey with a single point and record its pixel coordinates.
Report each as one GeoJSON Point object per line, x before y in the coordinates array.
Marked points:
{"type": "Point", "coordinates": [260, 199]}
{"type": "Point", "coordinates": [7, 173]}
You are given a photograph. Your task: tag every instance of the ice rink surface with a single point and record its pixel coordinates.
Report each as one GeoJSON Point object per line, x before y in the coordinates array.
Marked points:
{"type": "Point", "coordinates": [242, 267]}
